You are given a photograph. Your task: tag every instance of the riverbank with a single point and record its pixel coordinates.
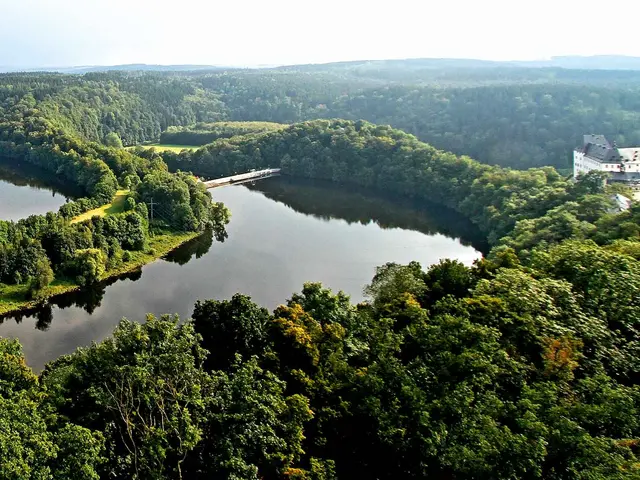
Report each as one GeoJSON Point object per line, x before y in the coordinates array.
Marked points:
{"type": "Point", "coordinates": [14, 298]}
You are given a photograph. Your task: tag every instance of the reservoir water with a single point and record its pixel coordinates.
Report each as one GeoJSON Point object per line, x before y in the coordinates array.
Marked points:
{"type": "Point", "coordinates": [23, 194]}
{"type": "Point", "coordinates": [282, 234]}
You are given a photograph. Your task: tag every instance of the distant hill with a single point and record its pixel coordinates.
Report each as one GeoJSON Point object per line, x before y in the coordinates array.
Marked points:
{"type": "Point", "coordinates": [142, 67]}
{"type": "Point", "coordinates": [133, 67]}
{"type": "Point", "coordinates": [596, 62]}
{"type": "Point", "coordinates": [409, 63]}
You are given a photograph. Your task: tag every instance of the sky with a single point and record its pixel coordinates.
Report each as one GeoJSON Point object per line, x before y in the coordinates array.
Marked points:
{"type": "Point", "coordinates": [56, 33]}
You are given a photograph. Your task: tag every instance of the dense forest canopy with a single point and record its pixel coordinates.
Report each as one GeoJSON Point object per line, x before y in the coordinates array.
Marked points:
{"type": "Point", "coordinates": [203, 133]}
{"type": "Point", "coordinates": [523, 365]}
{"type": "Point", "coordinates": [518, 117]}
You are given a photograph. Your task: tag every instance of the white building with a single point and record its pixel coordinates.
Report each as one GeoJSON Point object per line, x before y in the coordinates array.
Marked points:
{"type": "Point", "coordinates": [597, 153]}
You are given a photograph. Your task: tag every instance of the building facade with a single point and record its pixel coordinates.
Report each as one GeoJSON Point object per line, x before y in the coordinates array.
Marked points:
{"type": "Point", "coordinates": [596, 153]}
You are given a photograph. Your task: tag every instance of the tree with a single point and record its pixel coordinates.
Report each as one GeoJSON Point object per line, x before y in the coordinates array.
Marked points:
{"type": "Point", "coordinates": [129, 204]}
{"type": "Point", "coordinates": [80, 453]}
{"type": "Point", "coordinates": [26, 448]}
{"type": "Point", "coordinates": [34, 441]}
{"type": "Point", "coordinates": [391, 280]}
{"type": "Point", "coordinates": [253, 430]}
{"type": "Point", "coordinates": [593, 182]}
{"type": "Point", "coordinates": [449, 277]}
{"type": "Point", "coordinates": [41, 278]}
{"type": "Point", "coordinates": [88, 265]}
{"type": "Point", "coordinates": [113, 140]}
{"type": "Point", "coordinates": [145, 389]}
{"type": "Point", "coordinates": [229, 328]}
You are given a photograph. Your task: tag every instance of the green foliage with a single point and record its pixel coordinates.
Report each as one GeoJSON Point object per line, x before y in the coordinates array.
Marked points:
{"type": "Point", "coordinates": [376, 156]}
{"type": "Point", "coordinates": [80, 453]}
{"type": "Point", "coordinates": [25, 447]}
{"type": "Point", "coordinates": [606, 283]}
{"type": "Point", "coordinates": [253, 430]}
{"type": "Point", "coordinates": [42, 276]}
{"type": "Point", "coordinates": [230, 328]}
{"type": "Point", "coordinates": [144, 389]}
{"type": "Point", "coordinates": [87, 266]}
{"type": "Point", "coordinates": [164, 416]}
{"type": "Point", "coordinates": [113, 140]}
{"type": "Point", "coordinates": [391, 281]}
{"type": "Point", "coordinates": [129, 204]}
{"type": "Point", "coordinates": [182, 203]}
{"type": "Point", "coordinates": [513, 117]}
{"type": "Point", "coordinates": [203, 133]}
{"type": "Point", "coordinates": [56, 125]}
{"type": "Point", "coordinates": [485, 371]}
{"type": "Point", "coordinates": [593, 182]}
{"type": "Point", "coordinates": [36, 442]}
{"type": "Point", "coordinates": [524, 365]}
{"type": "Point", "coordinates": [520, 209]}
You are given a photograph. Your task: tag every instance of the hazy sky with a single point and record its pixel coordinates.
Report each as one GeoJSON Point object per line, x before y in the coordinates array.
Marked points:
{"type": "Point", "coordinates": [252, 32]}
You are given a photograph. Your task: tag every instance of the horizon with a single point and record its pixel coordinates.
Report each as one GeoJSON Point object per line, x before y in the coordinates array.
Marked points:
{"type": "Point", "coordinates": [255, 66]}
{"type": "Point", "coordinates": [69, 33]}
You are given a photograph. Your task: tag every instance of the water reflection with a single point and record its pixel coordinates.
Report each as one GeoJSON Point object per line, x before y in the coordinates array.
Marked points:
{"type": "Point", "coordinates": [194, 248]}
{"type": "Point", "coordinates": [282, 233]}
{"type": "Point", "coordinates": [87, 299]}
{"type": "Point", "coordinates": [27, 190]}
{"type": "Point", "coordinates": [328, 201]}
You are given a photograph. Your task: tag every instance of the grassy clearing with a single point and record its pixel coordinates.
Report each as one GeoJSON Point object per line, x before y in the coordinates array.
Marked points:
{"type": "Point", "coordinates": [116, 206]}
{"type": "Point", "coordinates": [15, 297]}
{"type": "Point", "coordinates": [171, 148]}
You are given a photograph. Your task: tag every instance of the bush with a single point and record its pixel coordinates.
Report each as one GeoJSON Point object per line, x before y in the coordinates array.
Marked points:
{"type": "Point", "coordinates": [88, 265]}
{"type": "Point", "coordinates": [129, 204]}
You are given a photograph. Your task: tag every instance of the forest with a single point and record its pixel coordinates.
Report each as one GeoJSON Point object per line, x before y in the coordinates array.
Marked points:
{"type": "Point", "coordinates": [204, 133]}
{"type": "Point", "coordinates": [523, 365]}
{"type": "Point", "coordinates": [513, 117]}
{"type": "Point", "coordinates": [45, 255]}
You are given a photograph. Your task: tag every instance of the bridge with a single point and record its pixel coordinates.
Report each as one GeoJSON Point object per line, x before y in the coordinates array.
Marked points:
{"type": "Point", "coordinates": [242, 178]}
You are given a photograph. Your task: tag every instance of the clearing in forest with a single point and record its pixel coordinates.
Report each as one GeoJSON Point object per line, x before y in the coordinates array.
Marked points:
{"type": "Point", "coordinates": [171, 148]}
{"type": "Point", "coordinates": [116, 206]}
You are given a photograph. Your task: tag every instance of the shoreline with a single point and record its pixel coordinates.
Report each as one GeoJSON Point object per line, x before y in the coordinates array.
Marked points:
{"type": "Point", "coordinates": [12, 297]}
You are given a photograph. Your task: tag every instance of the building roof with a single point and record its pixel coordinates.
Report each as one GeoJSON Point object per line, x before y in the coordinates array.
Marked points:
{"type": "Point", "coordinates": [595, 140]}
{"type": "Point", "coordinates": [629, 154]}
{"type": "Point", "coordinates": [603, 153]}
{"type": "Point", "coordinates": [622, 203]}
{"type": "Point", "coordinates": [625, 176]}
{"type": "Point", "coordinates": [598, 148]}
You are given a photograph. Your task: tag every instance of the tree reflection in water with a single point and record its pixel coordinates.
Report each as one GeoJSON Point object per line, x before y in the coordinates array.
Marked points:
{"type": "Point", "coordinates": [87, 298]}
{"type": "Point", "coordinates": [320, 199]}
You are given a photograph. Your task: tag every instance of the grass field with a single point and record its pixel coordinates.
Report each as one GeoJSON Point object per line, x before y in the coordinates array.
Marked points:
{"type": "Point", "coordinates": [117, 206]}
{"type": "Point", "coordinates": [15, 297]}
{"type": "Point", "coordinates": [171, 148]}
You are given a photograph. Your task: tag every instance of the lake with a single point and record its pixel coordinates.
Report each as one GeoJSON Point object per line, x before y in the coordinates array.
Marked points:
{"type": "Point", "coordinates": [282, 233]}
{"type": "Point", "coordinates": [23, 194]}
